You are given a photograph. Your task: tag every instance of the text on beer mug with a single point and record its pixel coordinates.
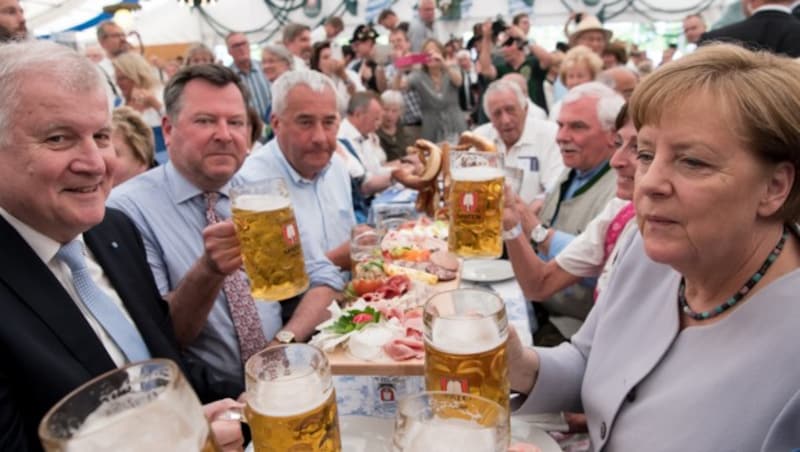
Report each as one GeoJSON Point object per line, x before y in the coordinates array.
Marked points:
{"type": "Point", "coordinates": [476, 204]}
{"type": "Point", "coordinates": [269, 240]}
{"type": "Point", "coordinates": [439, 421]}
{"type": "Point", "coordinates": [143, 406]}
{"type": "Point", "coordinates": [291, 403]}
{"type": "Point", "coordinates": [466, 332]}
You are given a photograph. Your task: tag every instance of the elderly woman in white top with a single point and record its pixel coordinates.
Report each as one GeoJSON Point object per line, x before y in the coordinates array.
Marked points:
{"type": "Point", "coordinates": [692, 346]}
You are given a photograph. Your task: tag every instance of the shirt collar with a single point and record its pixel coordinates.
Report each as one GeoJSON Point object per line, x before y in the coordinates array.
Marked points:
{"type": "Point", "coordinates": [773, 7]}
{"type": "Point", "coordinates": [44, 246]}
{"type": "Point", "coordinates": [181, 189]}
{"type": "Point", "coordinates": [348, 130]}
{"type": "Point", "coordinates": [585, 175]}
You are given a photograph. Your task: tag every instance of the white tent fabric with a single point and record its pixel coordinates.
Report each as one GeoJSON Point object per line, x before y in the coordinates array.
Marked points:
{"type": "Point", "coordinates": [170, 21]}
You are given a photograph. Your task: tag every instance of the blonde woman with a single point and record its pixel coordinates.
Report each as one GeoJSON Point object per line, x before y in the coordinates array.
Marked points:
{"type": "Point", "coordinates": [134, 76]}
{"type": "Point", "coordinates": [580, 65]}
{"type": "Point", "coordinates": [133, 144]}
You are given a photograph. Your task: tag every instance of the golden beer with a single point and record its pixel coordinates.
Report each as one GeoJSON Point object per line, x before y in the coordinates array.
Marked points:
{"type": "Point", "coordinates": [291, 403]}
{"type": "Point", "coordinates": [270, 244]}
{"type": "Point", "coordinates": [476, 212]}
{"type": "Point", "coordinates": [479, 367]}
{"type": "Point", "coordinates": [286, 429]}
{"type": "Point", "coordinates": [466, 332]}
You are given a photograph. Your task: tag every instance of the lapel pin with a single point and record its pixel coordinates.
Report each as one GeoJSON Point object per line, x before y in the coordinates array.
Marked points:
{"type": "Point", "coordinates": [114, 245]}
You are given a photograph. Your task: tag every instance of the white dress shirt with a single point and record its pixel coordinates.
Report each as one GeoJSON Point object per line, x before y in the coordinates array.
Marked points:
{"type": "Point", "coordinates": [368, 148]}
{"type": "Point", "coordinates": [535, 152]}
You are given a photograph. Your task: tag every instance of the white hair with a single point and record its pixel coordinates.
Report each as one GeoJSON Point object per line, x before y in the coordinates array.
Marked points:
{"type": "Point", "coordinates": [393, 97]}
{"type": "Point", "coordinates": [65, 68]}
{"type": "Point", "coordinates": [316, 81]}
{"type": "Point", "coordinates": [609, 101]}
{"type": "Point", "coordinates": [280, 51]}
{"type": "Point", "coordinates": [504, 85]}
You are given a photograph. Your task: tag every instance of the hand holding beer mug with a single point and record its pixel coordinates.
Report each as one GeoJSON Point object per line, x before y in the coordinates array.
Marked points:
{"type": "Point", "coordinates": [476, 204]}
{"type": "Point", "coordinates": [438, 421]}
{"type": "Point", "coordinates": [142, 406]}
{"type": "Point", "coordinates": [466, 332]}
{"type": "Point", "coordinates": [270, 240]}
{"type": "Point", "coordinates": [291, 403]}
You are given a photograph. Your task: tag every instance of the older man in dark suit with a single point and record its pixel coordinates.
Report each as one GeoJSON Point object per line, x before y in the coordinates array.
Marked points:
{"type": "Point", "coordinates": [76, 293]}
{"type": "Point", "coordinates": [769, 26]}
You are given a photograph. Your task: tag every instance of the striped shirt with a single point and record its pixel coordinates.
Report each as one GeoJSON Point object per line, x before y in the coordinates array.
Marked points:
{"type": "Point", "coordinates": [257, 86]}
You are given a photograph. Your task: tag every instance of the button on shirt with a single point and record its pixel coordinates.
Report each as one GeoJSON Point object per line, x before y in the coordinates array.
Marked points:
{"type": "Point", "coordinates": [323, 207]}
{"type": "Point", "coordinates": [46, 248]}
{"type": "Point", "coordinates": [535, 152]}
{"type": "Point", "coordinates": [170, 214]}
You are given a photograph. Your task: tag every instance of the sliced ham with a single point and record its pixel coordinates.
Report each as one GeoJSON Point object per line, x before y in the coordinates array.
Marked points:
{"type": "Point", "coordinates": [404, 348]}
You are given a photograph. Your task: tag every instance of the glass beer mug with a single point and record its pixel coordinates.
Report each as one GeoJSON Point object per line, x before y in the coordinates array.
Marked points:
{"type": "Point", "coordinates": [466, 332]}
{"type": "Point", "coordinates": [438, 421]}
{"type": "Point", "coordinates": [143, 406]}
{"type": "Point", "coordinates": [476, 204]}
{"type": "Point", "coordinates": [291, 403]}
{"type": "Point", "coordinates": [269, 239]}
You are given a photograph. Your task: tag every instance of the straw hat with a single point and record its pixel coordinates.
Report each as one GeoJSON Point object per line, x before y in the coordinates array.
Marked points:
{"type": "Point", "coordinates": [589, 23]}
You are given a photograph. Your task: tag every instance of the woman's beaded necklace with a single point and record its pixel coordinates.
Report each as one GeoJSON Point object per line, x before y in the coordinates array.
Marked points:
{"type": "Point", "coordinates": [773, 256]}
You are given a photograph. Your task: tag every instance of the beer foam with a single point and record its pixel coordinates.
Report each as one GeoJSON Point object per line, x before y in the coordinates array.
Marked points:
{"type": "Point", "coordinates": [289, 397]}
{"type": "Point", "coordinates": [449, 434]}
{"type": "Point", "coordinates": [465, 336]}
{"type": "Point", "coordinates": [476, 173]}
{"type": "Point", "coordinates": [163, 423]}
{"type": "Point", "coordinates": [260, 203]}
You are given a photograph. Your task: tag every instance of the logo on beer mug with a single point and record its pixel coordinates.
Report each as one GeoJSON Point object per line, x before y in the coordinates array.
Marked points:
{"type": "Point", "coordinates": [469, 202]}
{"type": "Point", "coordinates": [290, 235]}
{"type": "Point", "coordinates": [456, 386]}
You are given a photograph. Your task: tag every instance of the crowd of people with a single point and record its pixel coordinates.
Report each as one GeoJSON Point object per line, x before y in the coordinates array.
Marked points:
{"type": "Point", "coordinates": [660, 247]}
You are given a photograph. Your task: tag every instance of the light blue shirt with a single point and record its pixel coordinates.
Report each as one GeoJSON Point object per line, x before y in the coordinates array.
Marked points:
{"type": "Point", "coordinates": [169, 211]}
{"type": "Point", "coordinates": [323, 206]}
{"type": "Point", "coordinates": [258, 87]}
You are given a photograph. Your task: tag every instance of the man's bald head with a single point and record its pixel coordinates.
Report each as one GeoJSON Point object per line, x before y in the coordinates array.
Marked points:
{"type": "Point", "coordinates": [621, 79]}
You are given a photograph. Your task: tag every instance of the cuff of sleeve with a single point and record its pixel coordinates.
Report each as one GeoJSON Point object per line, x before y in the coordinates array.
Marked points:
{"type": "Point", "coordinates": [513, 233]}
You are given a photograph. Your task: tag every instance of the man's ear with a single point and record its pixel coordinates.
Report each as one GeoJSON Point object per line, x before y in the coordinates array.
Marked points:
{"type": "Point", "coordinates": [166, 128]}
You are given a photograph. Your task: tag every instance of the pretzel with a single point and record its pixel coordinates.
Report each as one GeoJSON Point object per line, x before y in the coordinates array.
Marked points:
{"type": "Point", "coordinates": [470, 140]}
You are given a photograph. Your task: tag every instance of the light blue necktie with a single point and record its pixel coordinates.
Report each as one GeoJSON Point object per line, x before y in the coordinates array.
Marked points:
{"type": "Point", "coordinates": [122, 331]}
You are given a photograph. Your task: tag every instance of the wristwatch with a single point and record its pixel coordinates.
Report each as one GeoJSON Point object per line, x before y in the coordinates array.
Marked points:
{"type": "Point", "coordinates": [285, 337]}
{"type": "Point", "coordinates": [538, 235]}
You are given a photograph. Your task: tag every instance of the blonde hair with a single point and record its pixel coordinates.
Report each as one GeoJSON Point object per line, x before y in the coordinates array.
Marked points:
{"type": "Point", "coordinates": [757, 93]}
{"type": "Point", "coordinates": [580, 55]}
{"type": "Point", "coordinates": [136, 68]}
{"type": "Point", "coordinates": [135, 132]}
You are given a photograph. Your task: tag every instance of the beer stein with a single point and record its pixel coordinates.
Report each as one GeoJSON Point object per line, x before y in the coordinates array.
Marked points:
{"type": "Point", "coordinates": [269, 239]}
{"type": "Point", "coordinates": [147, 405]}
{"type": "Point", "coordinates": [291, 403]}
{"type": "Point", "coordinates": [465, 333]}
{"type": "Point", "coordinates": [476, 204]}
{"type": "Point", "coordinates": [438, 421]}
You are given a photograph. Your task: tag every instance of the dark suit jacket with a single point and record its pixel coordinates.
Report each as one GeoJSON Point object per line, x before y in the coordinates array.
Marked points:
{"type": "Point", "coordinates": [775, 31]}
{"type": "Point", "coordinates": [47, 347]}
{"type": "Point", "coordinates": [796, 12]}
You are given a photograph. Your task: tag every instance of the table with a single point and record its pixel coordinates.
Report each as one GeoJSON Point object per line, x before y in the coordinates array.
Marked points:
{"type": "Point", "coordinates": [373, 389]}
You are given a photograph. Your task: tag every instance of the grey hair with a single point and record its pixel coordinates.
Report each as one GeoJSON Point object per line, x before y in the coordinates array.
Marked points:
{"type": "Point", "coordinates": [361, 101]}
{"type": "Point", "coordinates": [279, 51]}
{"type": "Point", "coordinates": [393, 97]}
{"type": "Point", "coordinates": [608, 101]}
{"type": "Point", "coordinates": [607, 78]}
{"type": "Point", "coordinates": [504, 85]}
{"type": "Point", "coordinates": [316, 81]}
{"type": "Point", "coordinates": [64, 68]}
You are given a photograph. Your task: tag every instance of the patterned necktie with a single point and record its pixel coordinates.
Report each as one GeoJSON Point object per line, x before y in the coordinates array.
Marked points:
{"type": "Point", "coordinates": [121, 330]}
{"type": "Point", "coordinates": [240, 302]}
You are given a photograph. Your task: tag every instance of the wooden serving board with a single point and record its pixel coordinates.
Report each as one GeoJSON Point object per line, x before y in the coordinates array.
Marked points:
{"type": "Point", "coordinates": [342, 363]}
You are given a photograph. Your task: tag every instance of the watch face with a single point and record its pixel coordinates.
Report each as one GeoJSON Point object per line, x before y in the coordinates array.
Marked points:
{"type": "Point", "coordinates": [539, 234]}
{"type": "Point", "coordinates": [285, 336]}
